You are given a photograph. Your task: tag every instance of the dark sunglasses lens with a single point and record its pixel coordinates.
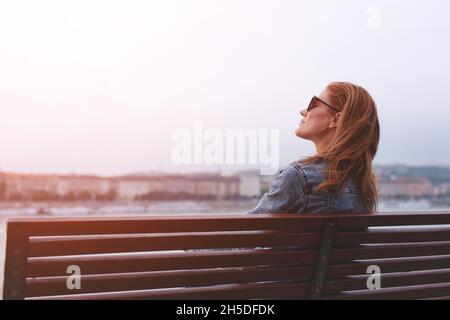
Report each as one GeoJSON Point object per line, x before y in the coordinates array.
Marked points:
{"type": "Point", "coordinates": [311, 103]}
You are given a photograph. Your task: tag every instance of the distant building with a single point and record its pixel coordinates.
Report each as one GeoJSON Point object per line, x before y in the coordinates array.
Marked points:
{"type": "Point", "coordinates": [405, 186]}
{"type": "Point", "coordinates": [173, 186]}
{"type": "Point", "coordinates": [250, 184]}
{"type": "Point", "coordinates": [52, 187]}
{"type": "Point", "coordinates": [206, 186]}
{"type": "Point", "coordinates": [130, 188]}
{"type": "Point", "coordinates": [228, 187]}
{"type": "Point", "coordinates": [26, 186]}
{"type": "Point", "coordinates": [18, 187]}
{"type": "Point", "coordinates": [178, 184]}
{"type": "Point", "coordinates": [77, 185]}
{"type": "Point", "coordinates": [216, 186]}
{"type": "Point", "coordinates": [441, 189]}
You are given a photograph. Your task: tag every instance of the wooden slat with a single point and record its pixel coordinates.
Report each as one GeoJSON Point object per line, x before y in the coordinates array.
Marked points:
{"type": "Point", "coordinates": [390, 280]}
{"type": "Point", "coordinates": [223, 292]}
{"type": "Point", "coordinates": [393, 236]}
{"type": "Point", "coordinates": [68, 245]}
{"type": "Point", "coordinates": [391, 251]}
{"type": "Point", "coordinates": [409, 292]}
{"type": "Point", "coordinates": [170, 223]}
{"type": "Point", "coordinates": [164, 279]}
{"type": "Point", "coordinates": [180, 223]}
{"type": "Point", "coordinates": [389, 265]}
{"type": "Point", "coordinates": [154, 261]}
{"type": "Point", "coordinates": [394, 219]}
{"type": "Point", "coordinates": [437, 298]}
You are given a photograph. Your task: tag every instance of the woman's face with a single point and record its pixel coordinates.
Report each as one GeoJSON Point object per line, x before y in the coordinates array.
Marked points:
{"type": "Point", "coordinates": [315, 123]}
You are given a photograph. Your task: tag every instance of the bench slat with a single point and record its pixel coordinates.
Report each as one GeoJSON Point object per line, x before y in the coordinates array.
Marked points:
{"type": "Point", "coordinates": [408, 292]}
{"type": "Point", "coordinates": [437, 298]}
{"type": "Point", "coordinates": [154, 261]}
{"type": "Point", "coordinates": [389, 265]}
{"type": "Point", "coordinates": [394, 219]}
{"type": "Point", "coordinates": [390, 236]}
{"type": "Point", "coordinates": [223, 292]}
{"type": "Point", "coordinates": [170, 223]}
{"type": "Point", "coordinates": [391, 251]}
{"type": "Point", "coordinates": [68, 245]}
{"type": "Point", "coordinates": [164, 279]}
{"type": "Point", "coordinates": [390, 280]}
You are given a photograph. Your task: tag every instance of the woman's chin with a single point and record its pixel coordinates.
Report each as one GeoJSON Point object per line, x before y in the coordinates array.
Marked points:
{"type": "Point", "coordinates": [299, 132]}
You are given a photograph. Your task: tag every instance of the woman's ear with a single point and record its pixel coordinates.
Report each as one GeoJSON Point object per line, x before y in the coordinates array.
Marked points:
{"type": "Point", "coordinates": [335, 120]}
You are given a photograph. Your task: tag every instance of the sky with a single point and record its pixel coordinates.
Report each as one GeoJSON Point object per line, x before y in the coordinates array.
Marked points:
{"type": "Point", "coordinates": [100, 86]}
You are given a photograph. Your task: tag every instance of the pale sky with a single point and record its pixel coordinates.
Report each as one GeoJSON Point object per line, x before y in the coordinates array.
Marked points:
{"type": "Point", "coordinates": [100, 86]}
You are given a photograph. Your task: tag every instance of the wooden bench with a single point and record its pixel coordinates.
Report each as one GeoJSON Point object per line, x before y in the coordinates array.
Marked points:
{"type": "Point", "coordinates": [287, 256]}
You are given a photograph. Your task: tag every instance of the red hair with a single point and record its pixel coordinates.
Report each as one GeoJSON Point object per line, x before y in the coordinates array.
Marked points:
{"type": "Point", "coordinates": [353, 144]}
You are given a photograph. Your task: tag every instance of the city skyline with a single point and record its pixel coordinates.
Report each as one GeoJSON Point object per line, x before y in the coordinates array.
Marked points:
{"type": "Point", "coordinates": [395, 182]}
{"type": "Point", "coordinates": [203, 169]}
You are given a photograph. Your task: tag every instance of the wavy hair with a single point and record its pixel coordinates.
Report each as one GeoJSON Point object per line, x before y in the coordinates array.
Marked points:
{"type": "Point", "coordinates": [353, 145]}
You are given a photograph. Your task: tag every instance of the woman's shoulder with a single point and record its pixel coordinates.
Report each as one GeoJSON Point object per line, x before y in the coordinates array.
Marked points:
{"type": "Point", "coordinates": [290, 178]}
{"type": "Point", "coordinates": [299, 176]}
{"type": "Point", "coordinates": [291, 171]}
{"type": "Point", "coordinates": [310, 170]}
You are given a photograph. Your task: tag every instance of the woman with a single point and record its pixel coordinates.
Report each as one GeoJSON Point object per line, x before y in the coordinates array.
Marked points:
{"type": "Point", "coordinates": [342, 122]}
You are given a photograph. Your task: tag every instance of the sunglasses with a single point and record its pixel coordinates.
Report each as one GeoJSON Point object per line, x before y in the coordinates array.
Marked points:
{"type": "Point", "coordinates": [314, 102]}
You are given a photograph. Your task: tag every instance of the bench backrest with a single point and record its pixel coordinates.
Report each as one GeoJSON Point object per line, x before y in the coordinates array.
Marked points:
{"type": "Point", "coordinates": [285, 256]}
{"type": "Point", "coordinates": [411, 250]}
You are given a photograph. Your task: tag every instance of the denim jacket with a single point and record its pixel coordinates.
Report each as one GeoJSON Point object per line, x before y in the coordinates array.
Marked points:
{"type": "Point", "coordinates": [293, 191]}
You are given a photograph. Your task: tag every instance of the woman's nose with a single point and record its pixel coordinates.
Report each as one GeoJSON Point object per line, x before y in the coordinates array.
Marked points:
{"type": "Point", "coordinates": [303, 113]}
